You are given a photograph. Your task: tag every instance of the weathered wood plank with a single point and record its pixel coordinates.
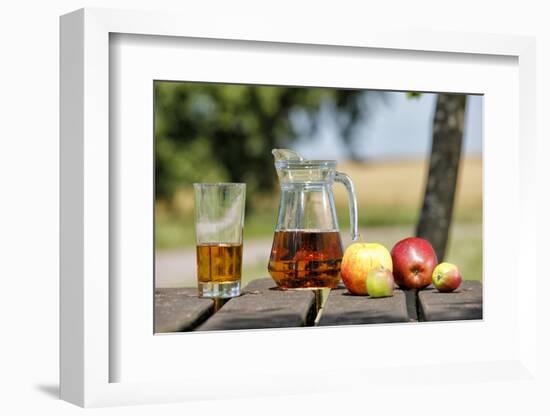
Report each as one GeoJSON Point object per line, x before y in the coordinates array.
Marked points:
{"type": "Point", "coordinates": [343, 308]}
{"type": "Point", "coordinates": [262, 305]}
{"type": "Point", "coordinates": [464, 303]}
{"type": "Point", "coordinates": [180, 309]}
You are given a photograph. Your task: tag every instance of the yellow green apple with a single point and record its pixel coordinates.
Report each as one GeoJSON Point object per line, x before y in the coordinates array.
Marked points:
{"type": "Point", "coordinates": [446, 277]}
{"type": "Point", "coordinates": [380, 283]}
{"type": "Point", "coordinates": [359, 259]}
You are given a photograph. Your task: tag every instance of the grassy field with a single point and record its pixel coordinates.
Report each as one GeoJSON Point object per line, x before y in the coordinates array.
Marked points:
{"type": "Point", "coordinates": [389, 196]}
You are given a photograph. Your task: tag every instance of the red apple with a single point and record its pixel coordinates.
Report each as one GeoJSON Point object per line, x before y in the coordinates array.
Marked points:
{"type": "Point", "coordinates": [358, 260]}
{"type": "Point", "coordinates": [414, 261]}
{"type": "Point", "coordinates": [446, 277]}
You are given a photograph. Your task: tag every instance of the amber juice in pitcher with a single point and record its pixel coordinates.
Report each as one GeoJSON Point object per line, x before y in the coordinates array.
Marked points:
{"type": "Point", "coordinates": [303, 259]}
{"type": "Point", "coordinates": [307, 249]}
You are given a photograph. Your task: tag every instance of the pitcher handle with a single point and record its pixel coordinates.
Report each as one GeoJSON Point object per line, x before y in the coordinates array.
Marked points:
{"type": "Point", "coordinates": [346, 180]}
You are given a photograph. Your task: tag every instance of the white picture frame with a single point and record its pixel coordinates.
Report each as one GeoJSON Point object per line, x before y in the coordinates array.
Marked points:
{"type": "Point", "coordinates": [91, 317]}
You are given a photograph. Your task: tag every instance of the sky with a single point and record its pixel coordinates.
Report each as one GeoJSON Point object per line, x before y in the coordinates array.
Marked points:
{"type": "Point", "coordinates": [398, 127]}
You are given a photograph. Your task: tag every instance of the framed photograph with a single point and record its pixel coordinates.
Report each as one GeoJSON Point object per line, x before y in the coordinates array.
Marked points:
{"type": "Point", "coordinates": [317, 232]}
{"type": "Point", "coordinates": [163, 122]}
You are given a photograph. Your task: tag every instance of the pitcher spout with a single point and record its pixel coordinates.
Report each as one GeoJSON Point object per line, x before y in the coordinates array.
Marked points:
{"type": "Point", "coordinates": [286, 154]}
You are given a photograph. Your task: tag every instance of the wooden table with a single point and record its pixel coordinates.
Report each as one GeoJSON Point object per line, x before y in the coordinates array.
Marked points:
{"type": "Point", "coordinates": [262, 305]}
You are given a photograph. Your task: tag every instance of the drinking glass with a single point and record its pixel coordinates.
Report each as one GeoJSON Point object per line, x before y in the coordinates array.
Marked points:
{"type": "Point", "coordinates": [219, 217]}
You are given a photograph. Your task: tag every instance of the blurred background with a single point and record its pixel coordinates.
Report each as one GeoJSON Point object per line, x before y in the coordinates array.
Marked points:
{"type": "Point", "coordinates": [390, 143]}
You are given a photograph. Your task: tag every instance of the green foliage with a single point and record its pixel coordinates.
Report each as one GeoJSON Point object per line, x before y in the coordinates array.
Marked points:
{"type": "Point", "coordinates": [218, 132]}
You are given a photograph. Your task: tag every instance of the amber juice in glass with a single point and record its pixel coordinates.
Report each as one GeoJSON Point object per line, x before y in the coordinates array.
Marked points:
{"type": "Point", "coordinates": [219, 262]}
{"type": "Point", "coordinates": [219, 216]}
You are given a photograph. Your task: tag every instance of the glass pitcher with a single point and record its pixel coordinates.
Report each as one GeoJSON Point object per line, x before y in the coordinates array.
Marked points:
{"type": "Point", "coordinates": [307, 248]}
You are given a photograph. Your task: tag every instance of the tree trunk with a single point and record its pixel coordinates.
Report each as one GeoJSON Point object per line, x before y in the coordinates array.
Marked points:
{"type": "Point", "coordinates": [437, 209]}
